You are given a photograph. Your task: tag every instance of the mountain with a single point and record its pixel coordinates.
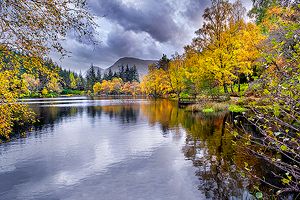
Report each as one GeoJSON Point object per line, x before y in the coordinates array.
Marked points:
{"type": "Point", "coordinates": [141, 65]}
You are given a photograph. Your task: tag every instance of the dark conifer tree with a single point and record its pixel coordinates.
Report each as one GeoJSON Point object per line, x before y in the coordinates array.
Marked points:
{"type": "Point", "coordinates": [110, 75]}
{"type": "Point", "coordinates": [163, 63]}
{"type": "Point", "coordinates": [90, 78]}
{"type": "Point", "coordinates": [126, 74]}
{"type": "Point", "coordinates": [98, 77]}
{"type": "Point", "coordinates": [105, 77]}
{"type": "Point", "coordinates": [116, 75]}
{"type": "Point", "coordinates": [134, 74]}
{"type": "Point", "coordinates": [121, 72]}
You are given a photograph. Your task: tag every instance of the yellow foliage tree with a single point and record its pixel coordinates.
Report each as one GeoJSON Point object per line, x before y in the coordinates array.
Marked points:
{"type": "Point", "coordinates": [30, 82]}
{"type": "Point", "coordinates": [29, 29]}
{"type": "Point", "coordinates": [176, 73]}
{"type": "Point", "coordinates": [226, 45]}
{"type": "Point", "coordinates": [135, 87]}
{"type": "Point", "coordinates": [116, 85]}
{"type": "Point", "coordinates": [106, 86]}
{"type": "Point", "coordinates": [72, 81]}
{"type": "Point", "coordinates": [53, 85]}
{"type": "Point", "coordinates": [97, 87]}
{"type": "Point", "coordinates": [126, 88]}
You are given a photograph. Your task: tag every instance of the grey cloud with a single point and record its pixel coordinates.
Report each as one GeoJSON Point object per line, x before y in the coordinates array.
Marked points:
{"type": "Point", "coordinates": [195, 9]}
{"type": "Point", "coordinates": [143, 29]}
{"type": "Point", "coordinates": [155, 17]}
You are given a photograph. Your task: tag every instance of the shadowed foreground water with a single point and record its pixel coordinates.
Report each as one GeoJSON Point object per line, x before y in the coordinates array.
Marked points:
{"type": "Point", "coordinates": [93, 148]}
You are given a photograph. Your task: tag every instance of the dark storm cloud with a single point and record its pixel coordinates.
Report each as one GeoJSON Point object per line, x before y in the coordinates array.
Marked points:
{"type": "Point", "coordinates": [195, 9]}
{"type": "Point", "coordinates": [153, 17]}
{"type": "Point", "coordinates": [137, 28]}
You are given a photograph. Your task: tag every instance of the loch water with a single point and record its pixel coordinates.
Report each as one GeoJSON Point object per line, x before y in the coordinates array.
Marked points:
{"type": "Point", "coordinates": [122, 148]}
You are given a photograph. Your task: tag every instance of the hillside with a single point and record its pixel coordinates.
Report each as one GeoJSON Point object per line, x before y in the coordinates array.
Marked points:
{"type": "Point", "coordinates": [141, 65]}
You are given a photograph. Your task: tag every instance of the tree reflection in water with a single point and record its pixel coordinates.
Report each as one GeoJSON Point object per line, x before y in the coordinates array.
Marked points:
{"type": "Point", "coordinates": [208, 144]}
{"type": "Point", "coordinates": [209, 147]}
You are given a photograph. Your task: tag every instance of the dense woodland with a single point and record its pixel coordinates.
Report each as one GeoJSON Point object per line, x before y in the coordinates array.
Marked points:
{"type": "Point", "coordinates": [229, 51]}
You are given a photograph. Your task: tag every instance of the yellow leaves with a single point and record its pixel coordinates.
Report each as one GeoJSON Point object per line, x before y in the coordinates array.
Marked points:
{"type": "Point", "coordinates": [44, 91]}
{"type": "Point", "coordinates": [97, 87]}
{"type": "Point", "coordinates": [53, 85]}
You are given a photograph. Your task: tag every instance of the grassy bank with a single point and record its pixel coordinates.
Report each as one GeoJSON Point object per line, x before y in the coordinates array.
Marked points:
{"type": "Point", "coordinates": [213, 107]}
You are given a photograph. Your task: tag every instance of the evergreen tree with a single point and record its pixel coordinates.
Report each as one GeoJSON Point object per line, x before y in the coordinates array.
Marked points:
{"type": "Point", "coordinates": [105, 77]}
{"type": "Point", "coordinates": [116, 75]}
{"type": "Point", "coordinates": [121, 72]}
{"type": "Point", "coordinates": [163, 63]}
{"type": "Point", "coordinates": [135, 74]}
{"type": "Point", "coordinates": [90, 78]}
{"type": "Point", "coordinates": [109, 75]}
{"type": "Point", "coordinates": [126, 74]}
{"type": "Point", "coordinates": [80, 82]}
{"type": "Point", "coordinates": [98, 77]}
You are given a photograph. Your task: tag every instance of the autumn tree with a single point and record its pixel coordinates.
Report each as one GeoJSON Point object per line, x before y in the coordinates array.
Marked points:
{"type": "Point", "coordinates": [156, 81]}
{"type": "Point", "coordinates": [176, 73]}
{"type": "Point", "coordinates": [53, 85]}
{"type": "Point", "coordinates": [116, 85]}
{"type": "Point", "coordinates": [220, 43]}
{"type": "Point", "coordinates": [36, 27]}
{"type": "Point", "coordinates": [260, 7]}
{"type": "Point", "coordinates": [32, 83]}
{"type": "Point", "coordinates": [79, 82]}
{"type": "Point", "coordinates": [97, 87]}
{"type": "Point", "coordinates": [126, 88]}
{"type": "Point", "coordinates": [72, 81]}
{"type": "Point", "coordinates": [31, 29]}
{"type": "Point", "coordinates": [135, 87]}
{"type": "Point", "coordinates": [106, 86]}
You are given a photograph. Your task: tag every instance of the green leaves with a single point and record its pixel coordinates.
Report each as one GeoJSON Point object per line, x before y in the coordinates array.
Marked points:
{"type": "Point", "coordinates": [259, 195]}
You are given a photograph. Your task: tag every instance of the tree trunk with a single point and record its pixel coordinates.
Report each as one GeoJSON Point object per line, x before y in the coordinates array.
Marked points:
{"type": "Point", "coordinates": [226, 91]}
{"type": "Point", "coordinates": [239, 83]}
{"type": "Point", "coordinates": [231, 87]}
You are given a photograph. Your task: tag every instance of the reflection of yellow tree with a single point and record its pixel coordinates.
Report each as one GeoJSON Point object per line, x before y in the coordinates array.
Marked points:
{"type": "Point", "coordinates": [209, 146]}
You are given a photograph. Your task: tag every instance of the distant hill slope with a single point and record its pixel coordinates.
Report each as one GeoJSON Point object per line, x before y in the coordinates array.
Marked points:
{"type": "Point", "coordinates": [141, 65]}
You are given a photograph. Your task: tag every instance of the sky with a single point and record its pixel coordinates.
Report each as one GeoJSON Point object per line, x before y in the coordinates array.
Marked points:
{"type": "Point", "coordinates": [144, 29]}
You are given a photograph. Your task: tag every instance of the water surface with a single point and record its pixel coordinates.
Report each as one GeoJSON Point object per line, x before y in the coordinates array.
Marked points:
{"type": "Point", "coordinates": [120, 148]}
